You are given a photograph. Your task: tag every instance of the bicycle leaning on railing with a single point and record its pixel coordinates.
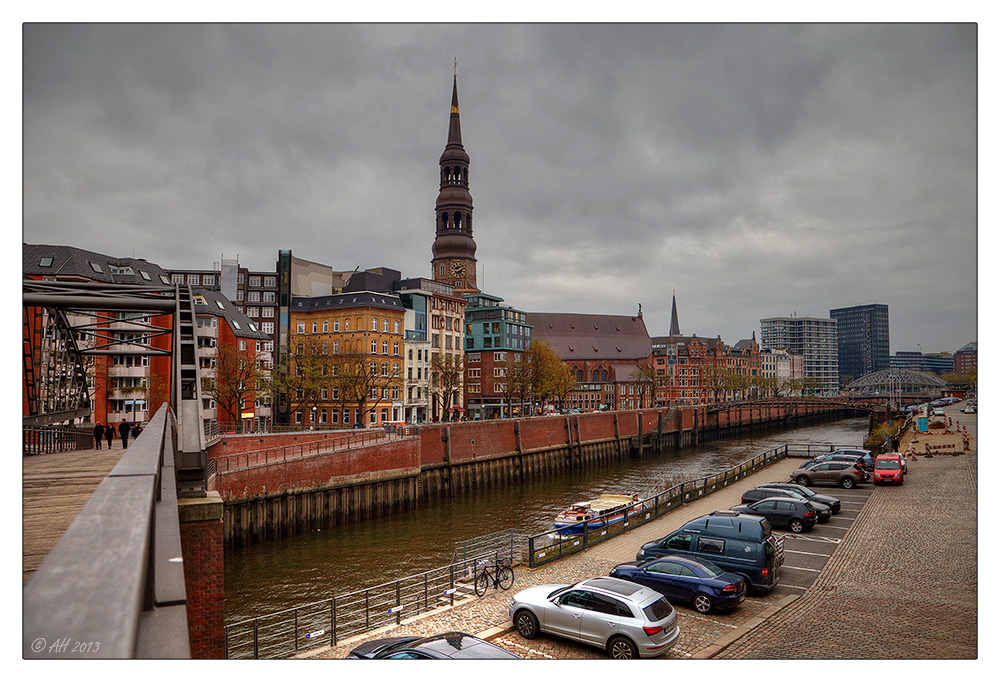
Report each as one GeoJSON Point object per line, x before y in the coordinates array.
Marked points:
{"type": "Point", "coordinates": [502, 575]}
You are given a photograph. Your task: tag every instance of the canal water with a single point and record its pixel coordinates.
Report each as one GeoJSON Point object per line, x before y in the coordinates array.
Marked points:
{"type": "Point", "coordinates": [280, 574]}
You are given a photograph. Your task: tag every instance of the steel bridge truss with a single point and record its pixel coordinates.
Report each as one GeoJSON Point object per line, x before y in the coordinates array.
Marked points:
{"type": "Point", "coordinates": [65, 322]}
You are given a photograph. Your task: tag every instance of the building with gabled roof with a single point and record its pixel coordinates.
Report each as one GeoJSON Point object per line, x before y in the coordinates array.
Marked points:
{"type": "Point", "coordinates": [604, 352]}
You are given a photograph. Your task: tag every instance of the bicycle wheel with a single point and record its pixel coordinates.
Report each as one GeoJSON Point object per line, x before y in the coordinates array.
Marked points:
{"type": "Point", "coordinates": [482, 582]}
{"type": "Point", "coordinates": [506, 577]}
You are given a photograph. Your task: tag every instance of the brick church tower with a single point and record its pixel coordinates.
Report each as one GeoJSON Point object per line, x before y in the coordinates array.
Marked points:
{"type": "Point", "coordinates": [454, 250]}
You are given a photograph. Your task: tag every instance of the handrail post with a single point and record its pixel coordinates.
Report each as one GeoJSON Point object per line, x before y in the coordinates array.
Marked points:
{"type": "Point", "coordinates": [333, 621]}
{"type": "Point", "coordinates": [295, 633]}
{"type": "Point", "coordinates": [255, 650]}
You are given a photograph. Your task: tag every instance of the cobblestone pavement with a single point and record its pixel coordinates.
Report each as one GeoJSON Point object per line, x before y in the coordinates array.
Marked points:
{"type": "Point", "coordinates": [487, 616]}
{"type": "Point", "coordinates": [903, 585]}
{"type": "Point", "coordinates": [898, 586]}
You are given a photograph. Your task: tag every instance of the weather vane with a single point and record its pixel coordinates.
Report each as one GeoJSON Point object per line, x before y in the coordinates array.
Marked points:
{"type": "Point", "coordinates": [456, 67]}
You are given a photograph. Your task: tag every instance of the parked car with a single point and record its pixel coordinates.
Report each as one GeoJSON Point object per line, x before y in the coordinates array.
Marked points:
{"type": "Point", "coordinates": [832, 502]}
{"type": "Point", "coordinates": [738, 543]}
{"type": "Point", "coordinates": [450, 645]}
{"type": "Point", "coordinates": [866, 457]}
{"type": "Point", "coordinates": [970, 407]}
{"type": "Point", "coordinates": [795, 514]}
{"type": "Point", "coordinates": [823, 512]}
{"type": "Point", "coordinates": [889, 469]}
{"type": "Point", "coordinates": [626, 619]}
{"type": "Point", "coordinates": [844, 474]}
{"type": "Point", "coordinates": [693, 581]}
{"type": "Point", "coordinates": [938, 412]}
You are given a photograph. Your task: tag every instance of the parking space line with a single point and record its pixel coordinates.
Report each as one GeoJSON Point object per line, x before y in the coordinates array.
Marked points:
{"type": "Point", "coordinates": [786, 567]}
{"type": "Point", "coordinates": [795, 551]}
{"type": "Point", "coordinates": [817, 538]}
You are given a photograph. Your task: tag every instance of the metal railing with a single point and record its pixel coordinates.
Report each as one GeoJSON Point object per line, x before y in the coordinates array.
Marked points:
{"type": "Point", "coordinates": [549, 546]}
{"type": "Point", "coordinates": [39, 440]}
{"type": "Point", "coordinates": [332, 443]}
{"type": "Point", "coordinates": [112, 586]}
{"type": "Point", "coordinates": [327, 622]}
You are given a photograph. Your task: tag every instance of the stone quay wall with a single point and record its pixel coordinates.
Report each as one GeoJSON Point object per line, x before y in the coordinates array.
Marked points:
{"type": "Point", "coordinates": [447, 459]}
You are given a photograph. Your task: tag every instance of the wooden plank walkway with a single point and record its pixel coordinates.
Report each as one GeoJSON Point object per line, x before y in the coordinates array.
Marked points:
{"type": "Point", "coordinates": [55, 487]}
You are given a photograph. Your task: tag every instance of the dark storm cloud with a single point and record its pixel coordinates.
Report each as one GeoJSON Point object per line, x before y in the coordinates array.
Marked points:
{"type": "Point", "coordinates": [758, 170]}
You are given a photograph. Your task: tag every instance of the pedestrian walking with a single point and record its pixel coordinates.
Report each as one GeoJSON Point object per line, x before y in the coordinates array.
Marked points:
{"type": "Point", "coordinates": [109, 433]}
{"type": "Point", "coordinates": [98, 434]}
{"type": "Point", "coordinates": [123, 430]}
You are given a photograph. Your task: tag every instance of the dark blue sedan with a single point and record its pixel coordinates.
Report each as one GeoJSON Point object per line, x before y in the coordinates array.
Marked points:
{"type": "Point", "coordinates": [693, 581]}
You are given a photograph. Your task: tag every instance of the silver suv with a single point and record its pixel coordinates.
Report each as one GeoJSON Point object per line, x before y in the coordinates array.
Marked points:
{"type": "Point", "coordinates": [625, 619]}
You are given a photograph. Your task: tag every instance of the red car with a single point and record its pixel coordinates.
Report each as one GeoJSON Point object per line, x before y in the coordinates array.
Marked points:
{"type": "Point", "coordinates": [889, 469]}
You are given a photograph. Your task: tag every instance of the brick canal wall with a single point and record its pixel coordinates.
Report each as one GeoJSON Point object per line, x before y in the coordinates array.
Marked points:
{"type": "Point", "coordinates": [449, 459]}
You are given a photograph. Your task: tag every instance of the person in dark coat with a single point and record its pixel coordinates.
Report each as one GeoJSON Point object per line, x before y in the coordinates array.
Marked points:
{"type": "Point", "coordinates": [98, 434]}
{"type": "Point", "coordinates": [109, 433]}
{"type": "Point", "coordinates": [123, 430]}
{"type": "Point", "coordinates": [136, 430]}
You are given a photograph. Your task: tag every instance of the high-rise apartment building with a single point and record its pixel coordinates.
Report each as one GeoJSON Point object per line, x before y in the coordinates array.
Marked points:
{"type": "Point", "coordinates": [815, 339]}
{"type": "Point", "coordinates": [862, 340]}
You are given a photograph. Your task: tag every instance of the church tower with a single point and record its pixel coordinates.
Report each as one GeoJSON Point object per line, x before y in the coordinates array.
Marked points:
{"type": "Point", "coordinates": [454, 250]}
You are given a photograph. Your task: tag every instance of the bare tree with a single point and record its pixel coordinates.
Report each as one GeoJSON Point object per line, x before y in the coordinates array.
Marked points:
{"type": "Point", "coordinates": [236, 380]}
{"type": "Point", "coordinates": [447, 372]}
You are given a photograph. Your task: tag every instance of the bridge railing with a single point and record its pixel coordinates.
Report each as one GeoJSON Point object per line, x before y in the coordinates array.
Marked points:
{"type": "Point", "coordinates": [113, 586]}
{"type": "Point", "coordinates": [267, 456]}
{"type": "Point", "coordinates": [39, 440]}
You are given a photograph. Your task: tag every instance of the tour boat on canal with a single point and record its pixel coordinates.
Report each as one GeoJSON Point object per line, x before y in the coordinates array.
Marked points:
{"type": "Point", "coordinates": [605, 510]}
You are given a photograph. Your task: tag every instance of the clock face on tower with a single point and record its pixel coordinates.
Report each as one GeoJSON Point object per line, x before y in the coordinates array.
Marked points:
{"type": "Point", "coordinates": [457, 269]}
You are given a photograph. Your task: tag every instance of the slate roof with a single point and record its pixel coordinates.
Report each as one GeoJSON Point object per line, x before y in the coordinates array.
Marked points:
{"type": "Point", "coordinates": [220, 306]}
{"type": "Point", "coordinates": [70, 261]}
{"type": "Point", "coordinates": [353, 299]}
{"type": "Point", "coordinates": [578, 336]}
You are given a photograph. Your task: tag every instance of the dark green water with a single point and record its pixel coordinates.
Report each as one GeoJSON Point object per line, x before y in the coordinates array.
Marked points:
{"type": "Point", "coordinates": [313, 566]}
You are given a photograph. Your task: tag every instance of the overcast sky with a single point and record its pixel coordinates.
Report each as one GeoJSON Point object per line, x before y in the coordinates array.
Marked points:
{"type": "Point", "coordinates": [756, 170]}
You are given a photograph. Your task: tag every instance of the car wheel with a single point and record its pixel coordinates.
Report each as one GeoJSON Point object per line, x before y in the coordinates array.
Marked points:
{"type": "Point", "coordinates": [796, 526]}
{"type": "Point", "coordinates": [526, 624]}
{"type": "Point", "coordinates": [702, 603]}
{"type": "Point", "coordinates": [622, 647]}
{"type": "Point", "coordinates": [802, 480]}
{"type": "Point", "coordinates": [847, 482]}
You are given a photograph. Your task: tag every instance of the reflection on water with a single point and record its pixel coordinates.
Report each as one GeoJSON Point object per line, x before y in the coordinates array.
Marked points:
{"type": "Point", "coordinates": [279, 574]}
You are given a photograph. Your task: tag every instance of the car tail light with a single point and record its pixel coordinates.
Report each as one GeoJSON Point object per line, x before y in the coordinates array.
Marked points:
{"type": "Point", "coordinates": [651, 631]}
{"type": "Point", "coordinates": [731, 588]}
{"type": "Point", "coordinates": [808, 514]}
{"type": "Point", "coordinates": [763, 572]}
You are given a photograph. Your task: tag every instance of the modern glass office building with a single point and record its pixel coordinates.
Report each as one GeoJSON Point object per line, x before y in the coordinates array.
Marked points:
{"type": "Point", "coordinates": [862, 340]}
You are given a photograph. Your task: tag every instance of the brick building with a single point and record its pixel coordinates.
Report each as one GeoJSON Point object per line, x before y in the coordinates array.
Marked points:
{"type": "Point", "coordinates": [606, 353]}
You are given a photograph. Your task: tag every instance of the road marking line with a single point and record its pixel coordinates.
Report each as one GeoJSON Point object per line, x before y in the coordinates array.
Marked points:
{"type": "Point", "coordinates": [786, 567]}
{"type": "Point", "coordinates": [795, 551]}
{"type": "Point", "coordinates": [818, 538]}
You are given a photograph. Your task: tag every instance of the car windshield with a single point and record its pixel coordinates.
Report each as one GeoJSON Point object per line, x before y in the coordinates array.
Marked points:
{"type": "Point", "coordinates": [887, 464]}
